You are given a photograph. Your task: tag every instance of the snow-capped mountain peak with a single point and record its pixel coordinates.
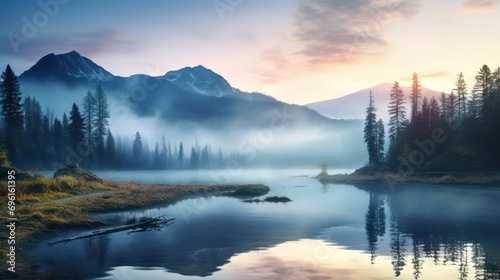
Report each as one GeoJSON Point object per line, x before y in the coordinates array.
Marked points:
{"type": "Point", "coordinates": [67, 66]}
{"type": "Point", "coordinates": [200, 80]}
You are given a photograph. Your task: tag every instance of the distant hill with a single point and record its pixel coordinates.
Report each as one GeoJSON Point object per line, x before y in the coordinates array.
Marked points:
{"type": "Point", "coordinates": [353, 106]}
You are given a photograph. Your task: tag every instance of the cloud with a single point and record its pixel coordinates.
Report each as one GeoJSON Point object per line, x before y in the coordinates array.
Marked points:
{"type": "Point", "coordinates": [344, 31]}
{"type": "Point", "coordinates": [273, 65]}
{"type": "Point", "coordinates": [92, 43]}
{"type": "Point", "coordinates": [432, 75]}
{"type": "Point", "coordinates": [478, 6]}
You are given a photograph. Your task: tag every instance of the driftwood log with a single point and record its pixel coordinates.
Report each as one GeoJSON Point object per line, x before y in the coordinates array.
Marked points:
{"type": "Point", "coordinates": [153, 223]}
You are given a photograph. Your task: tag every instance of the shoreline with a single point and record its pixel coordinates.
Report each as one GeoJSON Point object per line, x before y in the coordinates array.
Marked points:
{"type": "Point", "coordinates": [469, 178]}
{"type": "Point", "coordinates": [42, 216]}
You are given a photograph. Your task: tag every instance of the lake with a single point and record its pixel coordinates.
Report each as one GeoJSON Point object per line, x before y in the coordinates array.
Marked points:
{"type": "Point", "coordinates": [332, 231]}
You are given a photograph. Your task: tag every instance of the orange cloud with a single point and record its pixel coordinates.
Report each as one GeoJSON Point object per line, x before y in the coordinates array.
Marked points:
{"type": "Point", "coordinates": [478, 6]}
{"type": "Point", "coordinates": [339, 31]}
{"type": "Point", "coordinates": [427, 76]}
{"type": "Point", "coordinates": [272, 65]}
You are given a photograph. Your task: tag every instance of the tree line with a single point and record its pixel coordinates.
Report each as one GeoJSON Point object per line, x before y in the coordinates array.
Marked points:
{"type": "Point", "coordinates": [33, 138]}
{"type": "Point", "coordinates": [456, 132]}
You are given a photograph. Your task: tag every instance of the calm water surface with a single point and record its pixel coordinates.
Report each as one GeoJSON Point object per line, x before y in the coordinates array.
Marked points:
{"type": "Point", "coordinates": [371, 231]}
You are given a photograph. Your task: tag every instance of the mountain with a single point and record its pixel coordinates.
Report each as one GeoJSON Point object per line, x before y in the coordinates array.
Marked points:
{"type": "Point", "coordinates": [197, 103]}
{"type": "Point", "coordinates": [353, 106]}
{"type": "Point", "coordinates": [71, 69]}
{"type": "Point", "coordinates": [200, 80]}
{"type": "Point", "coordinates": [197, 95]}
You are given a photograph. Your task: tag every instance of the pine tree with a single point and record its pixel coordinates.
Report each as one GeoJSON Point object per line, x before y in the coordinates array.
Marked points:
{"type": "Point", "coordinates": [89, 112]}
{"type": "Point", "coordinates": [65, 123]}
{"type": "Point", "coordinates": [101, 122]}
{"type": "Point", "coordinates": [484, 84]}
{"type": "Point", "coordinates": [12, 113]}
{"type": "Point", "coordinates": [181, 156]}
{"type": "Point", "coordinates": [434, 115]}
{"type": "Point", "coordinates": [426, 112]}
{"type": "Point", "coordinates": [111, 153]}
{"type": "Point", "coordinates": [156, 157]}
{"type": "Point", "coordinates": [397, 112]}
{"type": "Point", "coordinates": [444, 101]}
{"type": "Point", "coordinates": [495, 92]}
{"type": "Point", "coordinates": [194, 159]}
{"type": "Point", "coordinates": [461, 96]}
{"type": "Point", "coordinates": [46, 139]}
{"type": "Point", "coordinates": [380, 145]}
{"type": "Point", "coordinates": [205, 157]}
{"type": "Point", "coordinates": [495, 77]}
{"type": "Point", "coordinates": [474, 103]}
{"type": "Point", "coordinates": [32, 133]}
{"type": "Point", "coordinates": [370, 136]}
{"type": "Point", "coordinates": [452, 107]}
{"type": "Point", "coordinates": [137, 152]}
{"type": "Point", "coordinates": [416, 94]}
{"type": "Point", "coordinates": [76, 129]}
{"type": "Point", "coordinates": [58, 140]}
{"type": "Point", "coordinates": [170, 156]}
{"type": "Point", "coordinates": [397, 124]}
{"type": "Point", "coordinates": [163, 153]}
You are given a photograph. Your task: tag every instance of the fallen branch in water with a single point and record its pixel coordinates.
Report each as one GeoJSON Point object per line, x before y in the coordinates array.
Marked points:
{"type": "Point", "coordinates": [153, 223]}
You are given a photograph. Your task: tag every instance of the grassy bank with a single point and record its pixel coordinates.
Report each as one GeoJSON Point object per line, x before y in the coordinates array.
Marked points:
{"type": "Point", "coordinates": [48, 205]}
{"type": "Point", "coordinates": [463, 178]}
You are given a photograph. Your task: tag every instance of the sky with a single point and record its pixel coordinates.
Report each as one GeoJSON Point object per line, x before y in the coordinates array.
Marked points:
{"type": "Point", "coordinates": [298, 51]}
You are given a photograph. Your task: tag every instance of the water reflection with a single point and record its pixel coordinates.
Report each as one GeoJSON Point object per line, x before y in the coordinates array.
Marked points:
{"type": "Point", "coordinates": [96, 249]}
{"type": "Point", "coordinates": [448, 225]}
{"type": "Point", "coordinates": [326, 232]}
{"type": "Point", "coordinates": [375, 223]}
{"type": "Point", "coordinates": [295, 260]}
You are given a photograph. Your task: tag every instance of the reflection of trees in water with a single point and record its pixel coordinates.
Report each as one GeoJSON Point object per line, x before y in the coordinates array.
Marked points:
{"type": "Point", "coordinates": [417, 260]}
{"type": "Point", "coordinates": [445, 237]}
{"type": "Point", "coordinates": [96, 248]}
{"type": "Point", "coordinates": [398, 243]}
{"type": "Point", "coordinates": [375, 223]}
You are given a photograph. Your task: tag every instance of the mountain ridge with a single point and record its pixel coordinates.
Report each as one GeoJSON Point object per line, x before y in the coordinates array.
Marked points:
{"type": "Point", "coordinates": [70, 67]}
{"type": "Point", "coordinates": [194, 94]}
{"type": "Point", "coordinates": [353, 105]}
{"type": "Point", "coordinates": [73, 70]}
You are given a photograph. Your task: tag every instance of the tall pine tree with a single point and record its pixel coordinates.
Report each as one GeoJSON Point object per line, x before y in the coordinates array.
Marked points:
{"type": "Point", "coordinates": [111, 154]}
{"type": "Point", "coordinates": [370, 131]}
{"type": "Point", "coordinates": [397, 112]}
{"type": "Point", "coordinates": [380, 144]}
{"type": "Point", "coordinates": [101, 123]}
{"type": "Point", "coordinates": [461, 88]}
{"type": "Point", "coordinates": [12, 113]}
{"type": "Point", "coordinates": [397, 124]}
{"type": "Point", "coordinates": [484, 83]}
{"type": "Point", "coordinates": [89, 113]}
{"type": "Point", "coordinates": [416, 94]}
{"type": "Point", "coordinates": [76, 130]}
{"type": "Point", "coordinates": [137, 151]}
